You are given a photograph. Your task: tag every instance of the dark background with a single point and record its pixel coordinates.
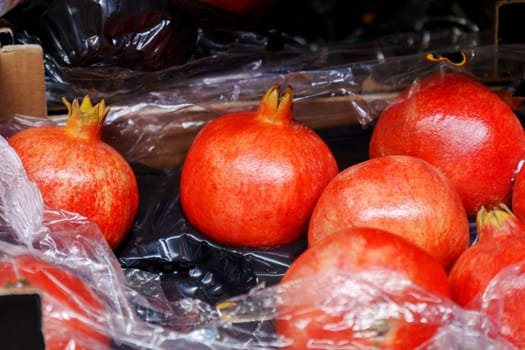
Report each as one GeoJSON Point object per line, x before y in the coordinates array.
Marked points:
{"type": "Point", "coordinates": [331, 20]}
{"type": "Point", "coordinates": [103, 32]}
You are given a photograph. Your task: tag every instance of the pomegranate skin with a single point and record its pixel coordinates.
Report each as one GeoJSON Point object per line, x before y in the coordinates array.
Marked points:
{"type": "Point", "coordinates": [501, 243]}
{"type": "Point", "coordinates": [489, 275]}
{"type": "Point", "coordinates": [78, 172]}
{"type": "Point", "coordinates": [460, 126]}
{"type": "Point", "coordinates": [402, 194]}
{"type": "Point", "coordinates": [318, 315]}
{"type": "Point", "coordinates": [504, 301]}
{"type": "Point", "coordinates": [252, 178]}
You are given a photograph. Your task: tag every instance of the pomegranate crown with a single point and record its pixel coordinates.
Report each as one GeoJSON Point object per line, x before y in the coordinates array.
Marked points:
{"type": "Point", "coordinates": [85, 120]}
{"type": "Point", "coordinates": [498, 222]}
{"type": "Point", "coordinates": [276, 107]}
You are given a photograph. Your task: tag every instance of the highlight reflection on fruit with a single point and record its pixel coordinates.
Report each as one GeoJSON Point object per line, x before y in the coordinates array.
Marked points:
{"type": "Point", "coordinates": [252, 178]}
{"type": "Point", "coordinates": [402, 194]}
{"type": "Point", "coordinates": [460, 126]}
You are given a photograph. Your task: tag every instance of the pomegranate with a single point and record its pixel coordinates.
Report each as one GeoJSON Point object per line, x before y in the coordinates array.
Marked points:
{"type": "Point", "coordinates": [501, 242]}
{"type": "Point", "coordinates": [503, 301]}
{"type": "Point", "coordinates": [252, 178]}
{"type": "Point", "coordinates": [330, 313]}
{"type": "Point", "coordinates": [72, 314]}
{"type": "Point", "coordinates": [76, 171]}
{"type": "Point", "coordinates": [460, 126]}
{"type": "Point", "coordinates": [402, 194]}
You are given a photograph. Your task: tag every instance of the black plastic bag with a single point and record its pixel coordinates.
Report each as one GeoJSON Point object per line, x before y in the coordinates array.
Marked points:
{"type": "Point", "coordinates": [190, 265]}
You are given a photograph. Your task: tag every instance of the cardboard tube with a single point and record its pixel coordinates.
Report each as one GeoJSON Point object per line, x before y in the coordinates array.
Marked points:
{"type": "Point", "coordinates": [22, 82]}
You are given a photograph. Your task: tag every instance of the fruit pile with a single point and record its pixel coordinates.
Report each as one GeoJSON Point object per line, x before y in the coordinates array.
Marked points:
{"type": "Point", "coordinates": [445, 152]}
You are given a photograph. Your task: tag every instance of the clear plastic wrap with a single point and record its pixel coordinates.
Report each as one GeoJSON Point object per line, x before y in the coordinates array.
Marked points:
{"type": "Point", "coordinates": [137, 314]}
{"type": "Point", "coordinates": [231, 300]}
{"type": "Point", "coordinates": [157, 110]}
{"type": "Point", "coordinates": [503, 301]}
{"type": "Point", "coordinates": [157, 131]}
{"type": "Point", "coordinates": [155, 126]}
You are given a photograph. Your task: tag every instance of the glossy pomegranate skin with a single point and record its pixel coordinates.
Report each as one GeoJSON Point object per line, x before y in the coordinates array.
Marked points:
{"type": "Point", "coordinates": [78, 172]}
{"type": "Point", "coordinates": [501, 243]}
{"type": "Point", "coordinates": [460, 126]}
{"type": "Point", "coordinates": [358, 249]}
{"type": "Point", "coordinates": [252, 178]}
{"type": "Point", "coordinates": [70, 309]}
{"type": "Point", "coordinates": [402, 194]}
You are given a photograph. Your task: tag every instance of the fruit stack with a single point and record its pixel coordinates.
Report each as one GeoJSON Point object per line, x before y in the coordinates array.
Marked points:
{"type": "Point", "coordinates": [389, 260]}
{"type": "Point", "coordinates": [446, 151]}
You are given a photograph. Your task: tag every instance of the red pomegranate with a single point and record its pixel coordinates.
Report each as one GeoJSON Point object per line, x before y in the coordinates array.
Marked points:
{"type": "Point", "coordinates": [501, 242]}
{"type": "Point", "coordinates": [401, 194]}
{"type": "Point", "coordinates": [460, 126]}
{"type": "Point", "coordinates": [503, 301]}
{"type": "Point", "coordinates": [252, 178]}
{"type": "Point", "coordinates": [76, 171]}
{"type": "Point", "coordinates": [324, 310]}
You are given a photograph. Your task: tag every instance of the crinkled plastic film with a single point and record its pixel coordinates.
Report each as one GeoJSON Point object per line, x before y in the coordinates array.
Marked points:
{"type": "Point", "coordinates": [158, 109]}
{"type": "Point", "coordinates": [69, 241]}
{"type": "Point", "coordinates": [189, 264]}
{"type": "Point", "coordinates": [158, 128]}
{"type": "Point", "coordinates": [137, 315]}
{"type": "Point", "coordinates": [368, 303]}
{"type": "Point", "coordinates": [155, 115]}
{"type": "Point", "coordinates": [339, 91]}
{"type": "Point", "coordinates": [502, 297]}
